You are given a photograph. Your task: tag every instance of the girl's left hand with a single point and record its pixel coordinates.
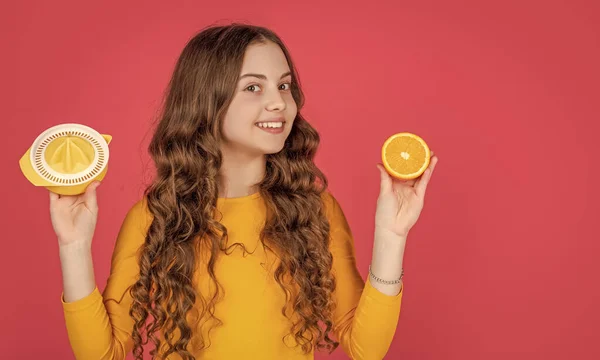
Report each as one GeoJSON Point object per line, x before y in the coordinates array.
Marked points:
{"type": "Point", "coordinates": [400, 201]}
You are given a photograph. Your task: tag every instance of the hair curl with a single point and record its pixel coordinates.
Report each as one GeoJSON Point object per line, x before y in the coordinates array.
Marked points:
{"type": "Point", "coordinates": [182, 200]}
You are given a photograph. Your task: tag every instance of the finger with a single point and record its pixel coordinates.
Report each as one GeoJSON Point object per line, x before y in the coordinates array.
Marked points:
{"type": "Point", "coordinates": [53, 197]}
{"type": "Point", "coordinates": [90, 195]}
{"type": "Point", "coordinates": [421, 185]}
{"type": "Point", "coordinates": [414, 181]}
{"type": "Point", "coordinates": [385, 182]}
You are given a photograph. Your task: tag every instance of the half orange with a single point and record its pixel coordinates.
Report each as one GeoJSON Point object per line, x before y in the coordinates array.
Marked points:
{"type": "Point", "coordinates": [405, 156]}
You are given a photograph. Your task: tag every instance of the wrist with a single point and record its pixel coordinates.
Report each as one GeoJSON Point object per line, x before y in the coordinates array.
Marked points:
{"type": "Point", "coordinates": [385, 232]}
{"type": "Point", "coordinates": [389, 241]}
{"type": "Point", "coordinates": [388, 254]}
{"type": "Point", "coordinates": [75, 249]}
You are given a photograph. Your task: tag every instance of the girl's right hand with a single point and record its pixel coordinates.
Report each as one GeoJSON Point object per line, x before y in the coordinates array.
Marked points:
{"type": "Point", "coordinates": [74, 217]}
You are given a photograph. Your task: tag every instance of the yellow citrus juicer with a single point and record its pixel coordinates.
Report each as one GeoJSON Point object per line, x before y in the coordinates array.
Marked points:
{"type": "Point", "coordinates": [66, 158]}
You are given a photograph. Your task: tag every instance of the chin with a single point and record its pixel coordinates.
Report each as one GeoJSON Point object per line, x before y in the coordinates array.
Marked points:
{"type": "Point", "coordinates": [271, 150]}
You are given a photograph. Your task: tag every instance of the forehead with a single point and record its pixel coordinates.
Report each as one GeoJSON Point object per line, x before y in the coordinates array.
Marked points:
{"type": "Point", "coordinates": [265, 58]}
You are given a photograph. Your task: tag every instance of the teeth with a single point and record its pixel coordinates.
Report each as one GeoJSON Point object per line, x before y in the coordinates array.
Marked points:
{"type": "Point", "coordinates": [270, 124]}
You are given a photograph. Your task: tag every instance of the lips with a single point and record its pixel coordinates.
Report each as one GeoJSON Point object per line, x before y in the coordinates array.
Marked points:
{"type": "Point", "coordinates": [273, 126]}
{"type": "Point", "coordinates": [272, 120]}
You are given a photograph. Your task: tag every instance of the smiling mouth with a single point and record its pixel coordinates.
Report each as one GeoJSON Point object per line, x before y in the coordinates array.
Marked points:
{"type": "Point", "coordinates": [271, 124]}
{"type": "Point", "coordinates": [271, 127]}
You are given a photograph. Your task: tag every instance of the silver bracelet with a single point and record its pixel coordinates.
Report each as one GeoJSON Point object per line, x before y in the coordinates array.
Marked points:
{"type": "Point", "coordinates": [387, 282]}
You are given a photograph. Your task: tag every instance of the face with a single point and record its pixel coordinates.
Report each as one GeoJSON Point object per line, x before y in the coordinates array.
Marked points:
{"type": "Point", "coordinates": [262, 111]}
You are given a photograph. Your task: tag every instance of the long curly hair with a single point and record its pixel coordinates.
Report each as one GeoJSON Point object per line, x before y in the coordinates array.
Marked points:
{"type": "Point", "coordinates": [182, 199]}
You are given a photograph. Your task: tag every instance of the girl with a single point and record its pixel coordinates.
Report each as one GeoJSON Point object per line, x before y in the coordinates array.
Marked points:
{"type": "Point", "coordinates": [236, 250]}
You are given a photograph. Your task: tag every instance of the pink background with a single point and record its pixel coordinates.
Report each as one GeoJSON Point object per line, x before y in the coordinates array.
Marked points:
{"type": "Point", "coordinates": [504, 260]}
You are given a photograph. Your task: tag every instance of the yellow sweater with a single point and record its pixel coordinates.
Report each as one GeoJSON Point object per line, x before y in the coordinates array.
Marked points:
{"type": "Point", "coordinates": [99, 325]}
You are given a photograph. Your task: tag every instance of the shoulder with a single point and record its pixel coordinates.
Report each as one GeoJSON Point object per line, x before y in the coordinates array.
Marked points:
{"type": "Point", "coordinates": [332, 209]}
{"type": "Point", "coordinates": [329, 202]}
{"type": "Point", "coordinates": [135, 226]}
{"type": "Point", "coordinates": [140, 213]}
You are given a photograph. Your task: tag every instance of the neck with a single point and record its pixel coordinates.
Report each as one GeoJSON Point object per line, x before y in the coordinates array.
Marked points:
{"type": "Point", "coordinates": [239, 176]}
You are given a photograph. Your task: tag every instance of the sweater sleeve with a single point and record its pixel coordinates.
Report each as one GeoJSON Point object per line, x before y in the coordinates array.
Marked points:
{"type": "Point", "coordinates": [99, 326]}
{"type": "Point", "coordinates": [365, 319]}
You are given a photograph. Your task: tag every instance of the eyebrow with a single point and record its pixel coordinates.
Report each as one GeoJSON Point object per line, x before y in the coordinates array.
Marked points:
{"type": "Point", "coordinates": [264, 77]}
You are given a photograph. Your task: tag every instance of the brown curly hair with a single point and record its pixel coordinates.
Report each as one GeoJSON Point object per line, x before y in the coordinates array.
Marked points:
{"type": "Point", "coordinates": [183, 196]}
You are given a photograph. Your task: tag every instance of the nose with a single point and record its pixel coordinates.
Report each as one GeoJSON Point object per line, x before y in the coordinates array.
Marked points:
{"type": "Point", "coordinates": [274, 101]}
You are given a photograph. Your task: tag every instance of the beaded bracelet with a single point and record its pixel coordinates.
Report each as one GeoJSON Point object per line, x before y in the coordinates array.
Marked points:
{"type": "Point", "coordinates": [387, 282]}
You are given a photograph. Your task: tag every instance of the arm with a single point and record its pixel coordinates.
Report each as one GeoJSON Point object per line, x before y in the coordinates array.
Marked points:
{"type": "Point", "coordinates": [387, 258]}
{"type": "Point", "coordinates": [99, 325]}
{"type": "Point", "coordinates": [366, 317]}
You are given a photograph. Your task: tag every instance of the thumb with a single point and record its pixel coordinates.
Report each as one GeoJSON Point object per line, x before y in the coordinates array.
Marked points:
{"type": "Point", "coordinates": [386, 180]}
{"type": "Point", "coordinates": [90, 195]}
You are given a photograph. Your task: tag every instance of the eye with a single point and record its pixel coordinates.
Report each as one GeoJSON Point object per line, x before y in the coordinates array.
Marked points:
{"type": "Point", "coordinates": [286, 86]}
{"type": "Point", "coordinates": [252, 88]}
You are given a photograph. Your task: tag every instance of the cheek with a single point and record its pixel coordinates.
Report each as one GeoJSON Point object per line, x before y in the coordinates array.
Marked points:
{"type": "Point", "coordinates": [292, 108]}
{"type": "Point", "coordinates": [238, 117]}
{"type": "Point", "coordinates": [245, 108]}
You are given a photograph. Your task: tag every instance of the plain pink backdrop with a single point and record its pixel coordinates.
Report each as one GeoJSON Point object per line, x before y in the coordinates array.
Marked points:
{"type": "Point", "coordinates": [504, 260]}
